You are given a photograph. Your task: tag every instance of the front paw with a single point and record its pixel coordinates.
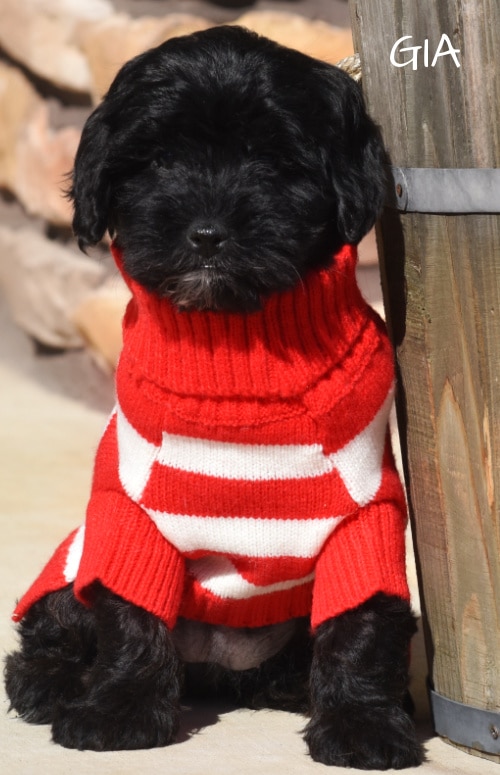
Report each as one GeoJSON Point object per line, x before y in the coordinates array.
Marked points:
{"type": "Point", "coordinates": [36, 686]}
{"type": "Point", "coordinates": [87, 728]}
{"type": "Point", "coordinates": [367, 739]}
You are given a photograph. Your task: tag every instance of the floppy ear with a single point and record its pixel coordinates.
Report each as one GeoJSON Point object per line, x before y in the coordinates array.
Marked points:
{"type": "Point", "coordinates": [90, 190]}
{"type": "Point", "coordinates": [358, 174]}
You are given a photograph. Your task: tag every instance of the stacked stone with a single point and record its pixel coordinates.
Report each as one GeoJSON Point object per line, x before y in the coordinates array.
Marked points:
{"type": "Point", "coordinates": [59, 59]}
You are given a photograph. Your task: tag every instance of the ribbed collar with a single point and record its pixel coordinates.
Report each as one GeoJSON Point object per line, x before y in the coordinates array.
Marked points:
{"type": "Point", "coordinates": [278, 352]}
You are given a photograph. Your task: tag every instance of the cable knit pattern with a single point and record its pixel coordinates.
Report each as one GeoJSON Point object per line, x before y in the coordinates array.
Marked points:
{"type": "Point", "coordinates": [245, 476]}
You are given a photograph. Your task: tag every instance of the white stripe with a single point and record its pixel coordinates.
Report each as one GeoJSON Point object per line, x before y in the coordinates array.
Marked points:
{"type": "Point", "coordinates": [245, 536]}
{"type": "Point", "coordinates": [252, 462]}
{"type": "Point", "coordinates": [219, 576]}
{"type": "Point", "coordinates": [74, 555]}
{"type": "Point", "coordinates": [359, 463]}
{"type": "Point", "coordinates": [135, 459]}
{"type": "Point", "coordinates": [264, 462]}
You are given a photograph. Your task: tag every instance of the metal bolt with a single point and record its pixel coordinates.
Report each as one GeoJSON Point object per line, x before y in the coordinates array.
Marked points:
{"type": "Point", "coordinates": [399, 190]}
{"type": "Point", "coordinates": [494, 731]}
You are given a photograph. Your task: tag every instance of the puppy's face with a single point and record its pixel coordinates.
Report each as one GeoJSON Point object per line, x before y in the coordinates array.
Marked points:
{"type": "Point", "coordinates": [226, 167]}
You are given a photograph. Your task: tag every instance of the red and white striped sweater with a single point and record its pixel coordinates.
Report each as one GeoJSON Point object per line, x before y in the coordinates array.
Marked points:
{"type": "Point", "coordinates": [245, 476]}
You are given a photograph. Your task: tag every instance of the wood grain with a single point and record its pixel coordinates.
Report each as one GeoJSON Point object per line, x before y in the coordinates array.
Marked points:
{"type": "Point", "coordinates": [441, 279]}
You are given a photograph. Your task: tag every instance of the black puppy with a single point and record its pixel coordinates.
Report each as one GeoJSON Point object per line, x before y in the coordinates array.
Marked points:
{"type": "Point", "coordinates": [229, 170]}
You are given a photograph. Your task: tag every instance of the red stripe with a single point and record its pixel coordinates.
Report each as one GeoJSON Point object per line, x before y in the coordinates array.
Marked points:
{"type": "Point", "coordinates": [263, 572]}
{"type": "Point", "coordinates": [182, 492]}
{"type": "Point", "coordinates": [259, 611]}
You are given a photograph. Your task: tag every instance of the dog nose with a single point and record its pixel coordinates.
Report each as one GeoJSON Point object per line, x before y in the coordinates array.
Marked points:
{"type": "Point", "coordinates": [207, 238]}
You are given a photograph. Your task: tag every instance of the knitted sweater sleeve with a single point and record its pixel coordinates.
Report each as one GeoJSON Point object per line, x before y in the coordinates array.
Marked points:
{"type": "Point", "coordinates": [123, 549]}
{"type": "Point", "coordinates": [119, 546]}
{"type": "Point", "coordinates": [366, 554]}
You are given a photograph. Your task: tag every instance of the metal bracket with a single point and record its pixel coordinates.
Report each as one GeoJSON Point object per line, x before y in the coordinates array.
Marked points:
{"type": "Point", "coordinates": [452, 191]}
{"type": "Point", "coordinates": [466, 725]}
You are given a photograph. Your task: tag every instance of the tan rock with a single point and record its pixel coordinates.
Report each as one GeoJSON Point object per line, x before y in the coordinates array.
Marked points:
{"type": "Point", "coordinates": [45, 158]}
{"type": "Point", "coordinates": [19, 103]}
{"type": "Point", "coordinates": [34, 159]}
{"type": "Point", "coordinates": [313, 37]}
{"type": "Point", "coordinates": [112, 42]}
{"type": "Point", "coordinates": [41, 35]}
{"type": "Point", "coordinates": [99, 320]}
{"type": "Point", "coordinates": [43, 283]}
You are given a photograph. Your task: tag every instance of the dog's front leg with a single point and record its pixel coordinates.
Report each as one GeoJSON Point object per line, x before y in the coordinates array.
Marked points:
{"type": "Point", "coordinates": [358, 683]}
{"type": "Point", "coordinates": [131, 692]}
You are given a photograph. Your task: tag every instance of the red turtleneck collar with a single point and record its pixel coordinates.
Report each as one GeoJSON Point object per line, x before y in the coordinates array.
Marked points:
{"type": "Point", "coordinates": [278, 352]}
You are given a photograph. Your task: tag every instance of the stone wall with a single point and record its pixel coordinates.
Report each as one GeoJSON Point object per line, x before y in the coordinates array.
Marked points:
{"type": "Point", "coordinates": [57, 59]}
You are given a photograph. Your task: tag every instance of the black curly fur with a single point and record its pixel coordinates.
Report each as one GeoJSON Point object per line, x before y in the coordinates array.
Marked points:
{"type": "Point", "coordinates": [106, 678]}
{"type": "Point", "coordinates": [225, 149]}
{"type": "Point", "coordinates": [226, 167]}
{"type": "Point", "coordinates": [280, 683]}
{"type": "Point", "coordinates": [358, 688]}
{"type": "Point", "coordinates": [131, 691]}
{"type": "Point", "coordinates": [58, 645]}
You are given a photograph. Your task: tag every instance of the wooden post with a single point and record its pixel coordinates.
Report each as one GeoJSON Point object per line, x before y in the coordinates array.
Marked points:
{"type": "Point", "coordinates": [441, 279]}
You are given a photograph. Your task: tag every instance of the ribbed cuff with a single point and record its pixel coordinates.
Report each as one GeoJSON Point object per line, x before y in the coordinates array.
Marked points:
{"type": "Point", "coordinates": [365, 555]}
{"type": "Point", "coordinates": [51, 579]}
{"type": "Point", "coordinates": [125, 551]}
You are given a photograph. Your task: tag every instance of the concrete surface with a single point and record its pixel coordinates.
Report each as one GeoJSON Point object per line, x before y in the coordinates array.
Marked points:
{"type": "Point", "coordinates": [52, 412]}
